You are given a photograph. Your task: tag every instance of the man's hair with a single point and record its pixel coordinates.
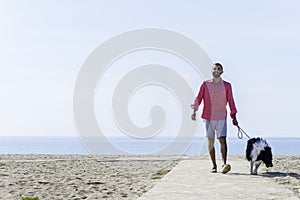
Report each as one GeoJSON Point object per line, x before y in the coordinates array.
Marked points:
{"type": "Point", "coordinates": [219, 64]}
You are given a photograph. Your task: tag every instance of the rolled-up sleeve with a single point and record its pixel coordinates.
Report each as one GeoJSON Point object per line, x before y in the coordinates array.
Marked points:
{"type": "Point", "coordinates": [199, 97]}
{"type": "Point", "coordinates": [230, 100]}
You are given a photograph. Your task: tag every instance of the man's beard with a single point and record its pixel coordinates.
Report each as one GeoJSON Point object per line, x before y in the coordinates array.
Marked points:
{"type": "Point", "coordinates": [216, 74]}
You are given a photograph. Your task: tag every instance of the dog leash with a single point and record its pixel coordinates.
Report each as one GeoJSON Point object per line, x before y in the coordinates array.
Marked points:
{"type": "Point", "coordinates": [241, 132]}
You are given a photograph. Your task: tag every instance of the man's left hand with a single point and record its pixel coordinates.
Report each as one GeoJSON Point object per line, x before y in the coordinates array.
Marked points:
{"type": "Point", "coordinates": [235, 122]}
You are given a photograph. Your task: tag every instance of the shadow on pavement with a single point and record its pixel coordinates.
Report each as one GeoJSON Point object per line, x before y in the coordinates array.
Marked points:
{"type": "Point", "coordinates": [280, 174]}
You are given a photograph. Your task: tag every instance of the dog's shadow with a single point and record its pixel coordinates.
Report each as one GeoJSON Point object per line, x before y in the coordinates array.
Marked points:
{"type": "Point", "coordinates": [269, 174]}
{"type": "Point", "coordinates": [280, 174]}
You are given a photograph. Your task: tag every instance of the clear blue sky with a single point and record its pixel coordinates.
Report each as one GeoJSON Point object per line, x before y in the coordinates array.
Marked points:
{"type": "Point", "coordinates": [44, 43]}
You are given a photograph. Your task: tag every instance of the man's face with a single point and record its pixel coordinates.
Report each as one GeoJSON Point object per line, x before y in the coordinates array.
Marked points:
{"type": "Point", "coordinates": [217, 71]}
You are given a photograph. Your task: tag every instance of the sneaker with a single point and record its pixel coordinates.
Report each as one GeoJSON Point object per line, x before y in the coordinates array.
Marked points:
{"type": "Point", "coordinates": [214, 169]}
{"type": "Point", "coordinates": [226, 168]}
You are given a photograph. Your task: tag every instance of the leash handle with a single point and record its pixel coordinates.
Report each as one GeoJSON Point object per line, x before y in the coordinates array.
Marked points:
{"type": "Point", "coordinates": [241, 132]}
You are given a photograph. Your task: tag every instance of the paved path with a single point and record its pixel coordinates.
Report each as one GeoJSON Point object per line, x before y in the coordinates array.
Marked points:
{"type": "Point", "coordinates": [191, 179]}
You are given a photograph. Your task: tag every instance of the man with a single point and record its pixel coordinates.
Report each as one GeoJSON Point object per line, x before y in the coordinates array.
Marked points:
{"type": "Point", "coordinates": [216, 93]}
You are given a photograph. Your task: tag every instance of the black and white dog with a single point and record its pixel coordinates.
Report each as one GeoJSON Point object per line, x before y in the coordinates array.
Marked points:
{"type": "Point", "coordinates": [258, 151]}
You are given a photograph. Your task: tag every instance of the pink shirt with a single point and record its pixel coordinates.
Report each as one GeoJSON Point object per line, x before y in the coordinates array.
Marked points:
{"type": "Point", "coordinates": [215, 97]}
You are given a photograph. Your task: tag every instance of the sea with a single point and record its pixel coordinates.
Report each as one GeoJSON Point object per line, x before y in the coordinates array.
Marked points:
{"type": "Point", "coordinates": [75, 145]}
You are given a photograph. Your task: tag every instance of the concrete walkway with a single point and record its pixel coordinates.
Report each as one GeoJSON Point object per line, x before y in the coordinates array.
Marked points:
{"type": "Point", "coordinates": [191, 179]}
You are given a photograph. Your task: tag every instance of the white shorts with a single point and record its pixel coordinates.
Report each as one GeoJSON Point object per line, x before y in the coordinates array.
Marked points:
{"type": "Point", "coordinates": [215, 127]}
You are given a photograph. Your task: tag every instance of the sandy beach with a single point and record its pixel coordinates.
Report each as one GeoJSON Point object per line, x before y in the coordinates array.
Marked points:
{"type": "Point", "coordinates": [79, 176]}
{"type": "Point", "coordinates": [286, 172]}
{"type": "Point", "coordinates": [107, 177]}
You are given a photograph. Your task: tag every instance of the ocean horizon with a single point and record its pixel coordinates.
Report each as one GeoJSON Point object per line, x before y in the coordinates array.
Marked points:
{"type": "Point", "coordinates": [74, 145]}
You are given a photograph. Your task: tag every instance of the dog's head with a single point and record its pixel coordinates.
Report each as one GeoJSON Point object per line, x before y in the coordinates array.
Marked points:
{"type": "Point", "coordinates": [266, 156]}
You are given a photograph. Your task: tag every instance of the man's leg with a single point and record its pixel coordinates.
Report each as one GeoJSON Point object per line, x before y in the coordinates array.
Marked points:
{"type": "Point", "coordinates": [223, 144]}
{"type": "Point", "coordinates": [210, 134]}
{"type": "Point", "coordinates": [222, 133]}
{"type": "Point", "coordinates": [211, 150]}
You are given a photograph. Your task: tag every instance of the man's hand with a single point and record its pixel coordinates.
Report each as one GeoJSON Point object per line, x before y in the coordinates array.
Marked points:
{"type": "Point", "coordinates": [194, 116]}
{"type": "Point", "coordinates": [235, 122]}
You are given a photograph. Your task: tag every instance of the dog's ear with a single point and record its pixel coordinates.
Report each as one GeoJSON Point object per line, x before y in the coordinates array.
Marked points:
{"type": "Point", "coordinates": [268, 148]}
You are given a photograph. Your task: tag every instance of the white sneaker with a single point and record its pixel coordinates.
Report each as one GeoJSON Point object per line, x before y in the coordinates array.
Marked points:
{"type": "Point", "coordinates": [226, 168]}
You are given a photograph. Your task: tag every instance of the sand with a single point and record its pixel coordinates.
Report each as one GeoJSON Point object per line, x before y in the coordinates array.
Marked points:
{"type": "Point", "coordinates": [107, 177]}
{"type": "Point", "coordinates": [286, 171]}
{"type": "Point", "coordinates": [79, 176]}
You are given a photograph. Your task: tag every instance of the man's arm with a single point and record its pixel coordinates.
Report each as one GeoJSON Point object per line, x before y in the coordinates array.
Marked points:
{"type": "Point", "coordinates": [197, 101]}
{"type": "Point", "coordinates": [231, 103]}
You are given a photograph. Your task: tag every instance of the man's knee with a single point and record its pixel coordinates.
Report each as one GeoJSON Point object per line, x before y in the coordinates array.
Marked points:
{"type": "Point", "coordinates": [211, 143]}
{"type": "Point", "coordinates": [222, 140]}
